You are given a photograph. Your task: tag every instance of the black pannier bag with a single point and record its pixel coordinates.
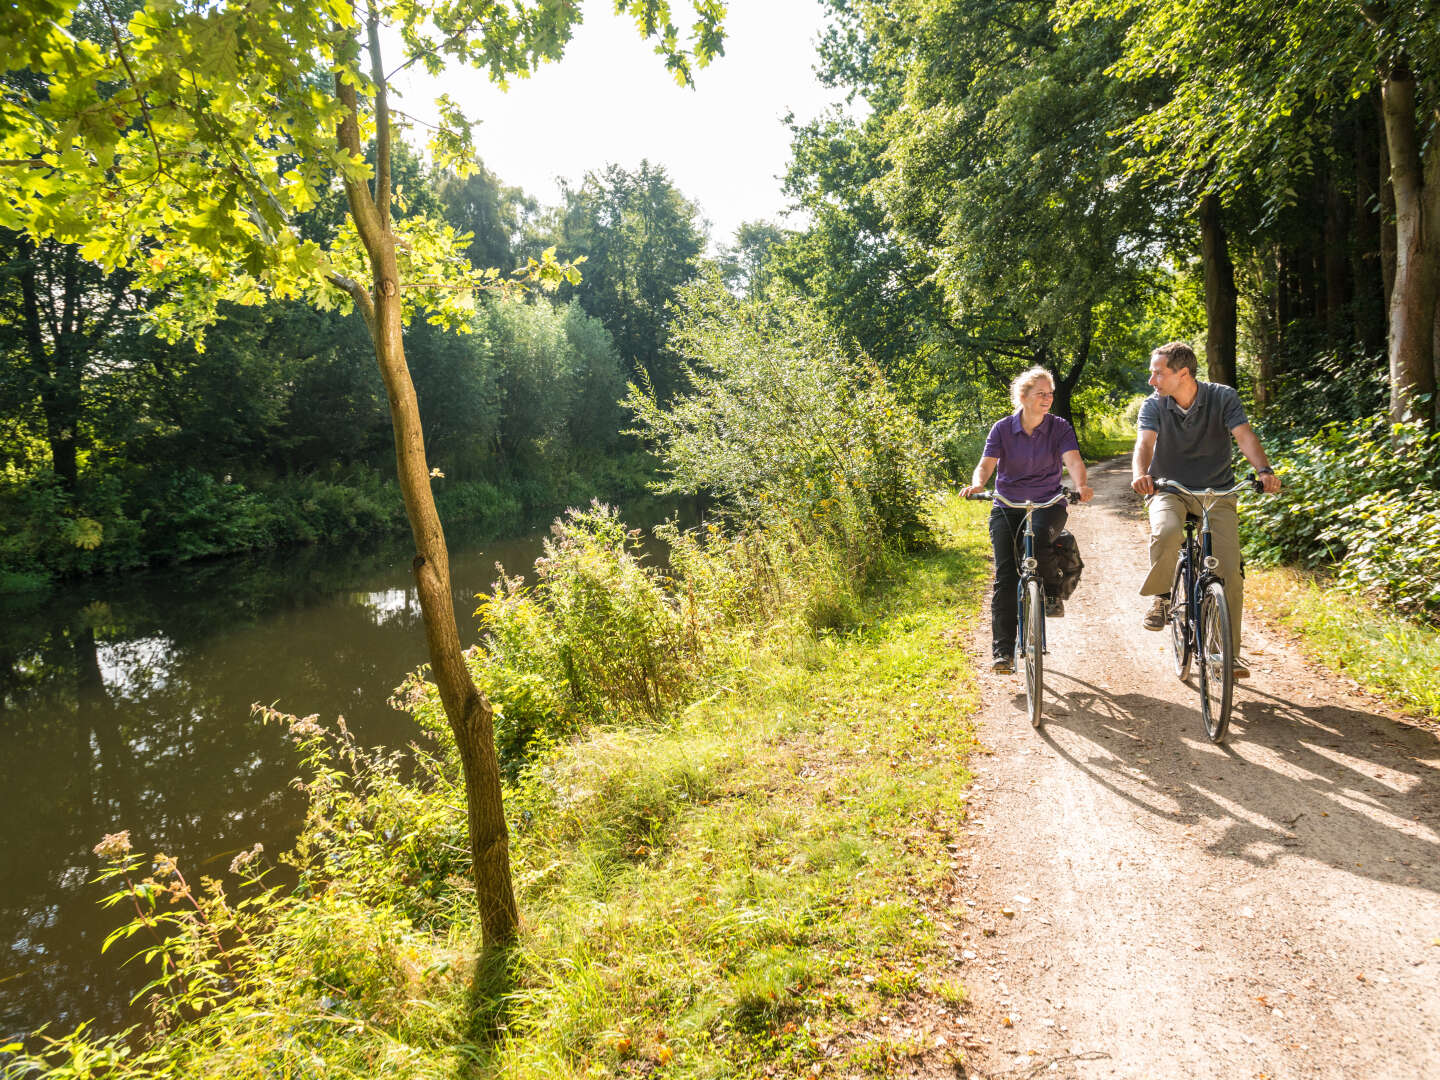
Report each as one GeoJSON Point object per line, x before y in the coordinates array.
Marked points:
{"type": "Point", "coordinates": [1069, 563]}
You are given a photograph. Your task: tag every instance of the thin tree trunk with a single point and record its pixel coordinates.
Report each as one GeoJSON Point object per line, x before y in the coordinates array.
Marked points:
{"type": "Point", "coordinates": [1335, 261]}
{"type": "Point", "coordinates": [468, 712]}
{"type": "Point", "coordinates": [1367, 270]}
{"type": "Point", "coordinates": [1220, 294]}
{"type": "Point", "coordinates": [1387, 214]}
{"type": "Point", "coordinates": [1417, 262]}
{"type": "Point", "coordinates": [1065, 385]}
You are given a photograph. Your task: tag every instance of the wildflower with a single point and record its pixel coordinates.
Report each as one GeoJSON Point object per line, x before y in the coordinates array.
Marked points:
{"type": "Point", "coordinates": [305, 727]}
{"type": "Point", "coordinates": [436, 474]}
{"type": "Point", "coordinates": [245, 858]}
{"type": "Point", "coordinates": [165, 866]}
{"type": "Point", "coordinates": [114, 846]}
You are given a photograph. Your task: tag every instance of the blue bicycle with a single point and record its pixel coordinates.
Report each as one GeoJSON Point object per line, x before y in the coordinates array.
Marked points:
{"type": "Point", "coordinates": [1030, 649]}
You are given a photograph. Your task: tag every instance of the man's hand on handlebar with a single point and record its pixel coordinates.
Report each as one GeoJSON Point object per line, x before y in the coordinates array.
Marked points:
{"type": "Point", "coordinates": [1270, 482]}
{"type": "Point", "coordinates": [1143, 484]}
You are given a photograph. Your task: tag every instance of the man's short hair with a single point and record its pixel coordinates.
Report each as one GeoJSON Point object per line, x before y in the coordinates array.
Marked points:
{"type": "Point", "coordinates": [1177, 355]}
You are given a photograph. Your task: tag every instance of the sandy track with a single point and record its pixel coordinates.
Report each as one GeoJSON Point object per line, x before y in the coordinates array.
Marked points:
{"type": "Point", "coordinates": [1270, 908]}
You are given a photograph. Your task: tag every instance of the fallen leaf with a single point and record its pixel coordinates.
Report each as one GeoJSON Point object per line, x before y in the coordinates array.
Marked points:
{"type": "Point", "coordinates": [664, 1055]}
{"type": "Point", "coordinates": [1005, 1021]}
{"type": "Point", "coordinates": [1009, 913]}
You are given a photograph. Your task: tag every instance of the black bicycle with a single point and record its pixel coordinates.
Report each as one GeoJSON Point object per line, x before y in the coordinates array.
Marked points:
{"type": "Point", "coordinates": [1030, 649]}
{"type": "Point", "coordinates": [1199, 613]}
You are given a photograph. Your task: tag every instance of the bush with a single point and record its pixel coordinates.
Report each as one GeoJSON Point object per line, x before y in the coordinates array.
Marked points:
{"type": "Point", "coordinates": [786, 427]}
{"type": "Point", "coordinates": [1364, 499]}
{"type": "Point", "coordinates": [597, 636]}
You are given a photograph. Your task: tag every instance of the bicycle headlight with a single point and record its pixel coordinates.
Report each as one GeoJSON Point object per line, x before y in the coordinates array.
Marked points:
{"type": "Point", "coordinates": [1212, 563]}
{"type": "Point", "coordinates": [1029, 563]}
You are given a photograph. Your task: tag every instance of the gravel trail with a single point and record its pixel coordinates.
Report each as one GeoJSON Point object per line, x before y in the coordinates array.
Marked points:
{"type": "Point", "coordinates": [1150, 905]}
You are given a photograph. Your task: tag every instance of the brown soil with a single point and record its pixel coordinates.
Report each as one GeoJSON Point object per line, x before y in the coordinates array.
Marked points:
{"type": "Point", "coordinates": [1147, 904]}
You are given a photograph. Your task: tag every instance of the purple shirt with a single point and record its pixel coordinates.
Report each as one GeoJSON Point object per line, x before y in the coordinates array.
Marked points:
{"type": "Point", "coordinates": [1029, 469]}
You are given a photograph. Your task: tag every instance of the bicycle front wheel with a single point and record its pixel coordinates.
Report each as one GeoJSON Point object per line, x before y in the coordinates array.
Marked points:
{"type": "Point", "coordinates": [1180, 624]}
{"type": "Point", "coordinates": [1032, 626]}
{"type": "Point", "coordinates": [1216, 655]}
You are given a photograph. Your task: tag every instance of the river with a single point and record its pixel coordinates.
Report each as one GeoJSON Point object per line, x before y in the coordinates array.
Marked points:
{"type": "Point", "coordinates": [125, 704]}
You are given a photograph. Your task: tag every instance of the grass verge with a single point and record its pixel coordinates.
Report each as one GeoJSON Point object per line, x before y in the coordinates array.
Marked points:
{"type": "Point", "coordinates": [759, 885]}
{"type": "Point", "coordinates": [753, 887]}
{"type": "Point", "coordinates": [1389, 655]}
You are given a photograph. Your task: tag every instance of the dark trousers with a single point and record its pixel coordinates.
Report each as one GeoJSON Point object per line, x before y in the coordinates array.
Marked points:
{"type": "Point", "coordinates": [1006, 527]}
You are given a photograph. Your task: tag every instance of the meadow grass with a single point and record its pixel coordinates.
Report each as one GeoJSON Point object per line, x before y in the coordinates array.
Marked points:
{"type": "Point", "coordinates": [1392, 656]}
{"type": "Point", "coordinates": [745, 887]}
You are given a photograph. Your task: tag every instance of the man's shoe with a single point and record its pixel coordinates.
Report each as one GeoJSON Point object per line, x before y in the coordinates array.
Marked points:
{"type": "Point", "coordinates": [1054, 607]}
{"type": "Point", "coordinates": [1158, 615]}
{"type": "Point", "coordinates": [1002, 665]}
{"type": "Point", "coordinates": [1239, 668]}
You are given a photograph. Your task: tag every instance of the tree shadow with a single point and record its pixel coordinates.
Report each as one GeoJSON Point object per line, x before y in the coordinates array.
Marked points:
{"type": "Point", "coordinates": [1359, 792]}
{"type": "Point", "coordinates": [488, 1003]}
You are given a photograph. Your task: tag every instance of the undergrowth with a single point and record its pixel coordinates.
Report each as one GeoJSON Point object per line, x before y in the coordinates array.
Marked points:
{"type": "Point", "coordinates": [745, 886]}
{"type": "Point", "coordinates": [1388, 654]}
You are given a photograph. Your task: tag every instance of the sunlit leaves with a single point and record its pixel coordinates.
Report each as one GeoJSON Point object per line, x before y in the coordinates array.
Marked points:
{"type": "Point", "coordinates": [185, 143]}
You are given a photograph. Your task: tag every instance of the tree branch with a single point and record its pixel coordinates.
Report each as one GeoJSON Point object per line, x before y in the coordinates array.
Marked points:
{"type": "Point", "coordinates": [382, 121]}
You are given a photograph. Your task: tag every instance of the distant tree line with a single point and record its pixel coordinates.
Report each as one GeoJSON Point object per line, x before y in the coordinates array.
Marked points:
{"type": "Point", "coordinates": [119, 448]}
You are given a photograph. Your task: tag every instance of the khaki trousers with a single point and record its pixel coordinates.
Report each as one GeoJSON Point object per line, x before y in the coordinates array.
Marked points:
{"type": "Point", "coordinates": [1167, 532]}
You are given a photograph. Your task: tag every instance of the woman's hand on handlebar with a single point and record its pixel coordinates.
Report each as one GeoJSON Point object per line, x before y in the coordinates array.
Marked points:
{"type": "Point", "coordinates": [971, 489]}
{"type": "Point", "coordinates": [1086, 492]}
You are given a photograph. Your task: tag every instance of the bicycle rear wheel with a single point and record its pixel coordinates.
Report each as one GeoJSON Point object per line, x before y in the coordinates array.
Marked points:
{"type": "Point", "coordinates": [1216, 655]}
{"type": "Point", "coordinates": [1032, 626]}
{"type": "Point", "coordinates": [1180, 624]}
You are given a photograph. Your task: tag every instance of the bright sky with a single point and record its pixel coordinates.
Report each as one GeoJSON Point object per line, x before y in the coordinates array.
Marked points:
{"type": "Point", "coordinates": [610, 100]}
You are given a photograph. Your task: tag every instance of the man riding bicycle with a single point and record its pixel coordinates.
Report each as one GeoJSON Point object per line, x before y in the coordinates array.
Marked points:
{"type": "Point", "coordinates": [1185, 429]}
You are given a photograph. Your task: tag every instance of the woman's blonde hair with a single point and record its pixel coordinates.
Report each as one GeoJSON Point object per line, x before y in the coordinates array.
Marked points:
{"type": "Point", "coordinates": [1026, 379]}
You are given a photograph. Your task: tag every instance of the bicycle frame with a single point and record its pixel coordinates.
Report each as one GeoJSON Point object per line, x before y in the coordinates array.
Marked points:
{"type": "Point", "coordinates": [1197, 574]}
{"type": "Point", "coordinates": [1029, 564]}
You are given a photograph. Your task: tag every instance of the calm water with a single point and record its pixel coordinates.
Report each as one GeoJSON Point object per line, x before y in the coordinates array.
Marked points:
{"type": "Point", "coordinates": [125, 704]}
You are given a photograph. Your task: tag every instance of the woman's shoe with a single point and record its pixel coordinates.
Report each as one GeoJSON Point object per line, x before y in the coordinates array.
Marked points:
{"type": "Point", "coordinates": [1002, 665]}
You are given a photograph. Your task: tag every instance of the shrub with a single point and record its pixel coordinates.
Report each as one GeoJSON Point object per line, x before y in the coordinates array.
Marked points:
{"type": "Point", "coordinates": [787, 427]}
{"type": "Point", "coordinates": [598, 621]}
{"type": "Point", "coordinates": [1364, 499]}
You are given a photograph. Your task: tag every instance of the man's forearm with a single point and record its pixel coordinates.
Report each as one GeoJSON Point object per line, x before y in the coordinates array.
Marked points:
{"type": "Point", "coordinates": [1140, 460]}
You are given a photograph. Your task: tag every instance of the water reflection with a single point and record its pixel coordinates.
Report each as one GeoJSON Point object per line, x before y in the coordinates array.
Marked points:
{"type": "Point", "coordinates": [125, 704]}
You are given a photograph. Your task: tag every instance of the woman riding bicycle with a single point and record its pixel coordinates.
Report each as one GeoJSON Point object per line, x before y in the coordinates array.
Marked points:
{"type": "Point", "coordinates": [1028, 447]}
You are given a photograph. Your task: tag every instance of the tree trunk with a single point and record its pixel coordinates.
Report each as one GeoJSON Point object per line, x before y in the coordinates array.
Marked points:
{"type": "Point", "coordinates": [467, 711]}
{"type": "Point", "coordinates": [1220, 294]}
{"type": "Point", "coordinates": [1387, 213]}
{"type": "Point", "coordinates": [1367, 268]}
{"type": "Point", "coordinates": [1336, 257]}
{"type": "Point", "coordinates": [1065, 385]}
{"type": "Point", "coordinates": [1417, 253]}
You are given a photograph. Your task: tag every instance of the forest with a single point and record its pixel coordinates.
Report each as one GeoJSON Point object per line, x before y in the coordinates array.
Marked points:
{"type": "Point", "coordinates": [247, 303]}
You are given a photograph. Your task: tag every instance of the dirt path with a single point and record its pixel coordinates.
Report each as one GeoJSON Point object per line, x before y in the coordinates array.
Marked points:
{"type": "Point", "coordinates": [1270, 908]}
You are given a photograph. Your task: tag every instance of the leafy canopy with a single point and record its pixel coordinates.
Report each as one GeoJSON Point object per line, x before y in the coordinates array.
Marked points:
{"type": "Point", "coordinates": [186, 141]}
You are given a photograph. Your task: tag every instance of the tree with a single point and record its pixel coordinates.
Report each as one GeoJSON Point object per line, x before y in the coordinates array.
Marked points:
{"type": "Point", "coordinates": [641, 239]}
{"type": "Point", "coordinates": [183, 146]}
{"type": "Point", "coordinates": [1258, 86]}
{"type": "Point", "coordinates": [1004, 174]}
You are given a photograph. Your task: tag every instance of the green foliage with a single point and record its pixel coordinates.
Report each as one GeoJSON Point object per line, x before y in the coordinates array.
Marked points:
{"type": "Point", "coordinates": [786, 427]}
{"type": "Point", "coordinates": [1363, 498]}
{"type": "Point", "coordinates": [640, 239]}
{"type": "Point", "coordinates": [596, 637]}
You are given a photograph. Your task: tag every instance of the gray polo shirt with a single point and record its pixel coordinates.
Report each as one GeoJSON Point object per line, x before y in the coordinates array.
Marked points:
{"type": "Point", "coordinates": [1193, 446]}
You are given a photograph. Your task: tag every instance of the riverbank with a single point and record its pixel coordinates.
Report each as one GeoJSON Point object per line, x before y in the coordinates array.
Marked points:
{"type": "Point", "coordinates": [762, 882]}
{"type": "Point", "coordinates": [48, 537]}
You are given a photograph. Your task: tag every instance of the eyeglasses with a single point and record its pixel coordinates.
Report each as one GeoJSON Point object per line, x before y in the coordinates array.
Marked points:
{"type": "Point", "coordinates": [1042, 393]}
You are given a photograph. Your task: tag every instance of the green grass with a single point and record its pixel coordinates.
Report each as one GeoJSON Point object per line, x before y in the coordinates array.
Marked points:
{"type": "Point", "coordinates": [1394, 657]}
{"type": "Point", "coordinates": [750, 886]}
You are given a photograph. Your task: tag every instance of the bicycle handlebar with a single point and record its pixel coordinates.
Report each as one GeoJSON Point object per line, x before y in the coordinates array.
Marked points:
{"type": "Point", "coordinates": [1066, 495]}
{"type": "Point", "coordinates": [1174, 487]}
